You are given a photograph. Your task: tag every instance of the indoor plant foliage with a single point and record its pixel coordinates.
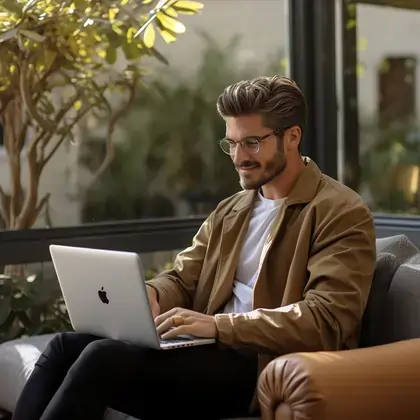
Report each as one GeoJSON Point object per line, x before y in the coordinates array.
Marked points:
{"type": "Point", "coordinates": [59, 64]}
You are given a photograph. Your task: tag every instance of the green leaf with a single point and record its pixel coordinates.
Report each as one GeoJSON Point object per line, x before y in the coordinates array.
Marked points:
{"type": "Point", "coordinates": [12, 6]}
{"type": "Point", "coordinates": [112, 13]}
{"type": "Point", "coordinates": [81, 4]}
{"type": "Point", "coordinates": [159, 56]}
{"type": "Point", "coordinates": [114, 39]}
{"type": "Point", "coordinates": [170, 11]}
{"type": "Point", "coordinates": [149, 36]}
{"type": "Point", "coordinates": [32, 35]}
{"type": "Point", "coordinates": [77, 105]}
{"type": "Point", "coordinates": [170, 23]}
{"type": "Point", "coordinates": [167, 35]}
{"type": "Point", "coordinates": [49, 58]}
{"type": "Point", "coordinates": [111, 54]}
{"type": "Point", "coordinates": [131, 50]}
{"type": "Point", "coordinates": [189, 5]}
{"type": "Point", "coordinates": [4, 36]}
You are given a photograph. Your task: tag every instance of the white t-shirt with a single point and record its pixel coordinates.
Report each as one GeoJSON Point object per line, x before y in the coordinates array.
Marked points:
{"type": "Point", "coordinates": [263, 215]}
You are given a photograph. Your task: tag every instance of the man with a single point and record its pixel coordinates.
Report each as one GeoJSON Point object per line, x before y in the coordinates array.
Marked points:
{"type": "Point", "coordinates": [285, 265]}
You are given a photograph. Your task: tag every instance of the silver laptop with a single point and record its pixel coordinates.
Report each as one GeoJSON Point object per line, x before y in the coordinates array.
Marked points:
{"type": "Point", "coordinates": [105, 295]}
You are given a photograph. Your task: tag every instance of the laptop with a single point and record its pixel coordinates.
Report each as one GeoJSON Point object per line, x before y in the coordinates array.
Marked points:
{"type": "Point", "coordinates": [105, 294]}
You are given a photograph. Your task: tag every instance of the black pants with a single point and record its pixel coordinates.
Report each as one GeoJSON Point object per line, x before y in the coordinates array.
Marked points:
{"type": "Point", "coordinates": [79, 375]}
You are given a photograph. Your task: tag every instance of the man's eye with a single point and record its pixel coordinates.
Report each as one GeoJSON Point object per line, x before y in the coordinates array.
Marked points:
{"type": "Point", "coordinates": [251, 142]}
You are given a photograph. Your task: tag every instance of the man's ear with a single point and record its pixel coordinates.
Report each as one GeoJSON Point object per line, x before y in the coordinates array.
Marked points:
{"type": "Point", "coordinates": [292, 138]}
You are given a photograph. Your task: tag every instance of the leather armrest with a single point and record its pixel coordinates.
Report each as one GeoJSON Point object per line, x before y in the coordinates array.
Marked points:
{"type": "Point", "coordinates": [380, 382]}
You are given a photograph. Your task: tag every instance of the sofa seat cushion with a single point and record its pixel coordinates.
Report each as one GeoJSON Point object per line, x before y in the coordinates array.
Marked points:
{"type": "Point", "coordinates": [397, 271]}
{"type": "Point", "coordinates": [17, 360]}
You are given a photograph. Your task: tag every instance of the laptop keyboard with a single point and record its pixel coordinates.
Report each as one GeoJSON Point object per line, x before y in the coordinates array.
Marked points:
{"type": "Point", "coordinates": [181, 339]}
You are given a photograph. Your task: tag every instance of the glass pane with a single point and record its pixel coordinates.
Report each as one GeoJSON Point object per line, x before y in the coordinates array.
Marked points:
{"type": "Point", "coordinates": [167, 160]}
{"type": "Point", "coordinates": [388, 94]}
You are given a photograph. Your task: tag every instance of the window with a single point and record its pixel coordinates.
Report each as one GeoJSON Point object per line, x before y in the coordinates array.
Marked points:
{"type": "Point", "coordinates": [397, 88]}
{"type": "Point", "coordinates": [167, 160]}
{"type": "Point", "coordinates": [387, 105]}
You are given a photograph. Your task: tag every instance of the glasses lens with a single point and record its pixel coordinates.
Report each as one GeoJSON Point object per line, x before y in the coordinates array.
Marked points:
{"type": "Point", "coordinates": [227, 146]}
{"type": "Point", "coordinates": [251, 145]}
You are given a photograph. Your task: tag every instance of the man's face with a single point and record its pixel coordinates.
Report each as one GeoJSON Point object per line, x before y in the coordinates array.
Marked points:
{"type": "Point", "coordinates": [255, 169]}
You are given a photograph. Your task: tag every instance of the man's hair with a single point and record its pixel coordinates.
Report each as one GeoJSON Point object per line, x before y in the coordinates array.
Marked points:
{"type": "Point", "coordinates": [277, 99]}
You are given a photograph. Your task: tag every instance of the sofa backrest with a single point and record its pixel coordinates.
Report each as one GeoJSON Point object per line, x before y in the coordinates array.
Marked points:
{"type": "Point", "coordinates": [393, 309]}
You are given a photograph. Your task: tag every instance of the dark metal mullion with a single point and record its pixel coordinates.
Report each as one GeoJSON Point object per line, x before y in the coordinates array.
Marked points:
{"type": "Point", "coordinates": [302, 63]}
{"type": "Point", "coordinates": [351, 133]}
{"type": "Point", "coordinates": [325, 87]}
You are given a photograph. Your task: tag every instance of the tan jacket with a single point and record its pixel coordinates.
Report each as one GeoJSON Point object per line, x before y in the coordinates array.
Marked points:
{"type": "Point", "coordinates": [315, 272]}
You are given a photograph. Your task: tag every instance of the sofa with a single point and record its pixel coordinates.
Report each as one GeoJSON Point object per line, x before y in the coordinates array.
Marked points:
{"type": "Point", "coordinates": [380, 380]}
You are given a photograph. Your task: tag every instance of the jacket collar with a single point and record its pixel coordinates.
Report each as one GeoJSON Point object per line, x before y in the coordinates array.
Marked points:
{"type": "Point", "coordinates": [303, 191]}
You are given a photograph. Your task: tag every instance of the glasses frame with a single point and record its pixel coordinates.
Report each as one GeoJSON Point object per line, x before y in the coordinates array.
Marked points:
{"type": "Point", "coordinates": [259, 140]}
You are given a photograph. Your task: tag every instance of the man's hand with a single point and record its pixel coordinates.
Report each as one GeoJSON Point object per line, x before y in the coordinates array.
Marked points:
{"type": "Point", "coordinates": [184, 321]}
{"type": "Point", "coordinates": [154, 304]}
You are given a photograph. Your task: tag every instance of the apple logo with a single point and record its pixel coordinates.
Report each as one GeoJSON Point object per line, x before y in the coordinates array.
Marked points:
{"type": "Point", "coordinates": [102, 295]}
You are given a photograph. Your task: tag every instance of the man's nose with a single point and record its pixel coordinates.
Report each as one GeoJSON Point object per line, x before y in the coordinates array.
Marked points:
{"type": "Point", "coordinates": [239, 155]}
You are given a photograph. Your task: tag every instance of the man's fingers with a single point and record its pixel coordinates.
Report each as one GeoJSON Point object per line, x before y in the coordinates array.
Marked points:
{"type": "Point", "coordinates": [169, 322]}
{"type": "Point", "coordinates": [163, 317]}
{"type": "Point", "coordinates": [165, 326]}
{"type": "Point", "coordinates": [174, 332]}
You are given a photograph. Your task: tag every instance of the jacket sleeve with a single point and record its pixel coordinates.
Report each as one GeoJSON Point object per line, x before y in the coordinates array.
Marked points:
{"type": "Point", "coordinates": [176, 287]}
{"type": "Point", "coordinates": [340, 268]}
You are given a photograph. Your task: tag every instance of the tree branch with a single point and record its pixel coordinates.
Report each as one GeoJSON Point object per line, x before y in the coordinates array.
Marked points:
{"type": "Point", "coordinates": [41, 205]}
{"type": "Point", "coordinates": [28, 101]}
{"type": "Point", "coordinates": [4, 105]}
{"type": "Point", "coordinates": [4, 208]}
{"type": "Point", "coordinates": [110, 150]}
{"type": "Point", "coordinates": [31, 198]}
{"type": "Point", "coordinates": [63, 137]}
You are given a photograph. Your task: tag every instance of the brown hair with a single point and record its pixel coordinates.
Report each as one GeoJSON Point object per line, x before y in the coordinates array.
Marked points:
{"type": "Point", "coordinates": [278, 99]}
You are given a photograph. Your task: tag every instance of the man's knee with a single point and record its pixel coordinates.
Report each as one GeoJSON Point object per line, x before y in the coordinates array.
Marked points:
{"type": "Point", "coordinates": [64, 349]}
{"type": "Point", "coordinates": [100, 359]}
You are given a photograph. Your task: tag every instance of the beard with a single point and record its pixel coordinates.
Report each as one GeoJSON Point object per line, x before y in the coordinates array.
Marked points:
{"type": "Point", "coordinates": [261, 175]}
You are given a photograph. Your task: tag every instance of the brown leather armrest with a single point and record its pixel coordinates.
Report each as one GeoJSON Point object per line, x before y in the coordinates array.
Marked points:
{"type": "Point", "coordinates": [375, 383]}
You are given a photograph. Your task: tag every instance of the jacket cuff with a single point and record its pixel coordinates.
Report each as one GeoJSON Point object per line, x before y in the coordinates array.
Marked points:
{"type": "Point", "coordinates": [225, 324]}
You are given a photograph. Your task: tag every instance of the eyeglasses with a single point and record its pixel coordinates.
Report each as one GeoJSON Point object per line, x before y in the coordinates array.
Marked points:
{"type": "Point", "coordinates": [250, 144]}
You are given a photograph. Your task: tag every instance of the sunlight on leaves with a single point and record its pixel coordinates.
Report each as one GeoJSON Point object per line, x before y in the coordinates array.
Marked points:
{"type": "Point", "coordinates": [171, 24]}
{"type": "Point", "coordinates": [167, 36]}
{"type": "Point", "coordinates": [189, 5]}
{"type": "Point", "coordinates": [77, 105]}
{"type": "Point", "coordinates": [90, 46]}
{"type": "Point", "coordinates": [149, 36]}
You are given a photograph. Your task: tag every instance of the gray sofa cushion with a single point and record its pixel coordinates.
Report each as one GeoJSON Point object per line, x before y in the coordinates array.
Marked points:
{"type": "Point", "coordinates": [402, 305]}
{"type": "Point", "coordinates": [17, 360]}
{"type": "Point", "coordinates": [395, 276]}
